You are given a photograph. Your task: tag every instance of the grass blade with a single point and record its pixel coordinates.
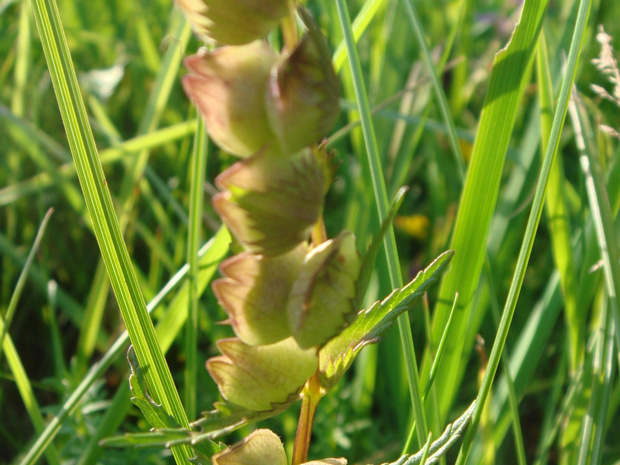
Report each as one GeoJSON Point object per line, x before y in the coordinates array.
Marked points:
{"type": "Point", "coordinates": [557, 213]}
{"type": "Point", "coordinates": [25, 390]}
{"type": "Point", "coordinates": [198, 171]}
{"type": "Point", "coordinates": [381, 199]}
{"type": "Point", "coordinates": [439, 93]}
{"type": "Point", "coordinates": [105, 223]}
{"type": "Point", "coordinates": [532, 225]}
{"type": "Point", "coordinates": [479, 197]}
{"type": "Point", "coordinates": [210, 255]}
{"type": "Point", "coordinates": [361, 22]}
{"type": "Point", "coordinates": [19, 287]}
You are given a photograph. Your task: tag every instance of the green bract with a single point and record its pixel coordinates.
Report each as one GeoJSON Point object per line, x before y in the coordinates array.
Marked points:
{"type": "Point", "coordinates": [228, 87]}
{"type": "Point", "coordinates": [303, 93]}
{"type": "Point", "coordinates": [260, 378]}
{"type": "Point", "coordinates": [255, 293]}
{"type": "Point", "coordinates": [306, 294]}
{"type": "Point", "coordinates": [251, 99]}
{"type": "Point", "coordinates": [320, 304]}
{"type": "Point", "coordinates": [262, 447]}
{"type": "Point", "coordinates": [270, 201]}
{"type": "Point", "coordinates": [234, 22]}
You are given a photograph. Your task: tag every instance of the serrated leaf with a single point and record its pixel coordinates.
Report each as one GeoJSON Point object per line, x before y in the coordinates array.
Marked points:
{"type": "Point", "coordinates": [338, 354]}
{"type": "Point", "coordinates": [205, 450]}
{"type": "Point", "coordinates": [154, 413]}
{"type": "Point", "coordinates": [228, 417]}
{"type": "Point", "coordinates": [440, 446]}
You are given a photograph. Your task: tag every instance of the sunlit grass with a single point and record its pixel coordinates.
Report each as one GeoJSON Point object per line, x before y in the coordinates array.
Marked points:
{"type": "Point", "coordinates": [495, 120]}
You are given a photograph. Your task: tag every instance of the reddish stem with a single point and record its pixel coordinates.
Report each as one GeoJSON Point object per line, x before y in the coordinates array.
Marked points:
{"type": "Point", "coordinates": [311, 398]}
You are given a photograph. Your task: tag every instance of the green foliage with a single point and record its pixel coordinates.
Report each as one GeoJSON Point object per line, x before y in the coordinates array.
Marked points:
{"type": "Point", "coordinates": [434, 106]}
{"type": "Point", "coordinates": [371, 324]}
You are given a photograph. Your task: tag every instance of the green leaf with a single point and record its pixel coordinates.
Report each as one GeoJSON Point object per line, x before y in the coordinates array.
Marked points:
{"type": "Point", "coordinates": [439, 447]}
{"type": "Point", "coordinates": [338, 354]}
{"type": "Point", "coordinates": [165, 438]}
{"type": "Point", "coordinates": [152, 411]}
{"type": "Point", "coordinates": [157, 438]}
{"type": "Point", "coordinates": [228, 417]}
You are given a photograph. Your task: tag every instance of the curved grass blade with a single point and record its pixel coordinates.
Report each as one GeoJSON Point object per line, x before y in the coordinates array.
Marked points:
{"type": "Point", "coordinates": [211, 254]}
{"type": "Point", "coordinates": [439, 93]}
{"type": "Point", "coordinates": [21, 281]}
{"type": "Point", "coordinates": [105, 223]}
{"type": "Point", "coordinates": [361, 22]}
{"type": "Point", "coordinates": [557, 213]}
{"type": "Point", "coordinates": [480, 193]}
{"type": "Point", "coordinates": [199, 169]}
{"type": "Point", "coordinates": [532, 225]}
{"type": "Point", "coordinates": [381, 202]}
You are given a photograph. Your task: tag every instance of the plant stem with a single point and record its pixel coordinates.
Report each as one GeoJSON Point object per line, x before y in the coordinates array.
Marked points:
{"type": "Point", "coordinates": [289, 27]}
{"type": "Point", "coordinates": [319, 234]}
{"type": "Point", "coordinates": [312, 395]}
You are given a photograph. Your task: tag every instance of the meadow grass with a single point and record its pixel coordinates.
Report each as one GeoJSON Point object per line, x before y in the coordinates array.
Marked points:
{"type": "Point", "coordinates": [445, 97]}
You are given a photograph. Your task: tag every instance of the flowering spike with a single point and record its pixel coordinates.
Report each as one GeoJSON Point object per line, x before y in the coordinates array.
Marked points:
{"type": "Point", "coordinates": [228, 85]}
{"type": "Point", "coordinates": [233, 22]}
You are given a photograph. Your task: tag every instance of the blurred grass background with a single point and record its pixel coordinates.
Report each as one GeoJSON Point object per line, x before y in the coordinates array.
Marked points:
{"type": "Point", "coordinates": [126, 55]}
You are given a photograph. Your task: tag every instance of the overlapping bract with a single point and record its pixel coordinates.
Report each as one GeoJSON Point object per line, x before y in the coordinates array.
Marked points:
{"type": "Point", "coordinates": [302, 100]}
{"type": "Point", "coordinates": [271, 201]}
{"type": "Point", "coordinates": [306, 294]}
{"type": "Point", "coordinates": [251, 98]}
{"type": "Point", "coordinates": [321, 301]}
